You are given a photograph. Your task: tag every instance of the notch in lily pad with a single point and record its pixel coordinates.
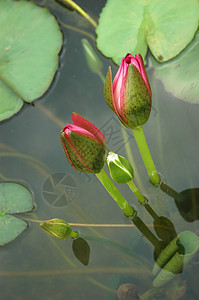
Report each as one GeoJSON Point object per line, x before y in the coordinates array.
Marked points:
{"type": "Point", "coordinates": [28, 53]}
{"type": "Point", "coordinates": [166, 27]}
{"type": "Point", "coordinates": [14, 198]}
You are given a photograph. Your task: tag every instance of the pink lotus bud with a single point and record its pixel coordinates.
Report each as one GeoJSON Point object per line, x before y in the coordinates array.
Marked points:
{"type": "Point", "coordinates": [130, 94]}
{"type": "Point", "coordinates": [84, 145]}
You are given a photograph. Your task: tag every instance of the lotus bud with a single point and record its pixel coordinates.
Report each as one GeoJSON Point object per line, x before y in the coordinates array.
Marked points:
{"type": "Point", "coordinates": [120, 168]}
{"type": "Point", "coordinates": [58, 228]}
{"type": "Point", "coordinates": [84, 145]}
{"type": "Point", "coordinates": [130, 94]}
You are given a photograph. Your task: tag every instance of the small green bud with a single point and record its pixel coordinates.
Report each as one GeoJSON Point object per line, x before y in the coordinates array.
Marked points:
{"type": "Point", "coordinates": [57, 228]}
{"type": "Point", "coordinates": [120, 168]}
{"type": "Point", "coordinates": [93, 61]}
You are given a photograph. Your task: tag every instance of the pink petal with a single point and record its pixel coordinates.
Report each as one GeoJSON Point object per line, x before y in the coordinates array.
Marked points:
{"type": "Point", "coordinates": [130, 59]}
{"type": "Point", "coordinates": [83, 123]}
{"type": "Point", "coordinates": [143, 71]}
{"type": "Point", "coordinates": [117, 85]}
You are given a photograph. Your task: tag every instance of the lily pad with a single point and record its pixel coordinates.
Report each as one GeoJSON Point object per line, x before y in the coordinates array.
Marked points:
{"type": "Point", "coordinates": [14, 198]}
{"type": "Point", "coordinates": [10, 228]}
{"type": "Point", "coordinates": [28, 53]}
{"type": "Point", "coordinates": [128, 26]}
{"type": "Point", "coordinates": [180, 75]}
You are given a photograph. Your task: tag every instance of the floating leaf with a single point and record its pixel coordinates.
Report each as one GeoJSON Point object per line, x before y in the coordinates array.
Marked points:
{"type": "Point", "coordinates": [15, 198]}
{"type": "Point", "coordinates": [10, 228]}
{"type": "Point", "coordinates": [28, 53]}
{"type": "Point", "coordinates": [128, 26]}
{"type": "Point", "coordinates": [10, 103]}
{"type": "Point", "coordinates": [180, 76]}
{"type": "Point", "coordinates": [81, 250]}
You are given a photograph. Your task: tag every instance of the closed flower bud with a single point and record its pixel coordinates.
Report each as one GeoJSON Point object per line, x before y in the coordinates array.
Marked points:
{"type": "Point", "coordinates": [130, 94]}
{"type": "Point", "coordinates": [84, 145]}
{"type": "Point", "coordinates": [120, 168]}
{"type": "Point", "coordinates": [57, 228]}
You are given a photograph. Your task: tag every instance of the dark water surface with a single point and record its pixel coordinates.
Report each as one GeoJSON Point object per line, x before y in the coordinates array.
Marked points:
{"type": "Point", "coordinates": [36, 266]}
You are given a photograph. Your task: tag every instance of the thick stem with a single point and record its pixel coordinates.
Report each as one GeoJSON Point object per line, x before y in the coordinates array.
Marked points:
{"type": "Point", "coordinates": [145, 231]}
{"type": "Point", "coordinates": [81, 11]}
{"type": "Point", "coordinates": [146, 155]}
{"type": "Point", "coordinates": [169, 191]}
{"type": "Point", "coordinates": [137, 193]}
{"type": "Point", "coordinates": [117, 196]}
{"type": "Point", "coordinates": [151, 211]}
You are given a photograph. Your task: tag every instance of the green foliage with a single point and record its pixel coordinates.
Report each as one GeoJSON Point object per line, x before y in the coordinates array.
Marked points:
{"type": "Point", "coordinates": [180, 75]}
{"type": "Point", "coordinates": [14, 198]}
{"type": "Point", "coordinates": [81, 250]}
{"type": "Point", "coordinates": [130, 25]}
{"type": "Point", "coordinates": [172, 259]}
{"type": "Point", "coordinates": [30, 41]}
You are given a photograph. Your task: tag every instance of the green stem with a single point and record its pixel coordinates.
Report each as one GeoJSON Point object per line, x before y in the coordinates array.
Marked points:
{"type": "Point", "coordinates": [151, 211]}
{"type": "Point", "coordinates": [145, 231]}
{"type": "Point", "coordinates": [146, 156]}
{"type": "Point", "coordinates": [81, 11]}
{"type": "Point", "coordinates": [168, 190]}
{"type": "Point", "coordinates": [117, 196]}
{"type": "Point", "coordinates": [137, 193]}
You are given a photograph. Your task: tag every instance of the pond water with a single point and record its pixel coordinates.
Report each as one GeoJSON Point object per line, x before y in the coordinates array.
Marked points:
{"type": "Point", "coordinates": [36, 266]}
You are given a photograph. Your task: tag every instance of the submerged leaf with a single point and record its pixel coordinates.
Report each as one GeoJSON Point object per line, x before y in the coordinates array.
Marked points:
{"type": "Point", "coordinates": [81, 250]}
{"type": "Point", "coordinates": [172, 259]}
{"type": "Point", "coordinates": [128, 26]}
{"type": "Point", "coordinates": [28, 52]}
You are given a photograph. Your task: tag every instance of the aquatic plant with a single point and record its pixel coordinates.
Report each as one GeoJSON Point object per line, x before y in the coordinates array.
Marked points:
{"type": "Point", "coordinates": [85, 147]}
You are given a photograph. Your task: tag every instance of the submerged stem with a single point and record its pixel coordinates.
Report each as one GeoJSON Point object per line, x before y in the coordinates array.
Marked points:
{"type": "Point", "coordinates": [117, 196]}
{"type": "Point", "coordinates": [146, 155]}
{"type": "Point", "coordinates": [81, 11]}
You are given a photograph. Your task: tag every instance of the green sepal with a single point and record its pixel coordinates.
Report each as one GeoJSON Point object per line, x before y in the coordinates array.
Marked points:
{"type": "Point", "coordinates": [57, 228]}
{"type": "Point", "coordinates": [92, 153]}
{"type": "Point", "coordinates": [136, 100]}
{"type": "Point", "coordinates": [120, 169]}
{"type": "Point", "coordinates": [108, 89]}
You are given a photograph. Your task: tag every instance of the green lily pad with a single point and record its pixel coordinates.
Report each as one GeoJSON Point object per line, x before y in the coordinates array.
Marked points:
{"type": "Point", "coordinates": [14, 198]}
{"type": "Point", "coordinates": [30, 41]}
{"type": "Point", "coordinates": [10, 103]}
{"type": "Point", "coordinates": [180, 76]}
{"type": "Point", "coordinates": [10, 228]}
{"type": "Point", "coordinates": [128, 26]}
